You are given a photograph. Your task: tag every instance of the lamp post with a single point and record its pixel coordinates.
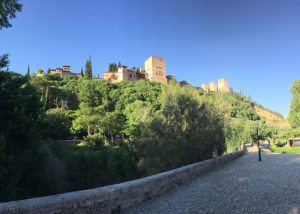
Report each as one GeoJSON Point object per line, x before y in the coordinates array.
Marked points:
{"type": "Point", "coordinates": [259, 151]}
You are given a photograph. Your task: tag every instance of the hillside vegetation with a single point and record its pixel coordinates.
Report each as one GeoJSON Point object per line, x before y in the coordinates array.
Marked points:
{"type": "Point", "coordinates": [125, 131]}
{"type": "Point", "coordinates": [235, 105]}
{"type": "Point", "coordinates": [272, 118]}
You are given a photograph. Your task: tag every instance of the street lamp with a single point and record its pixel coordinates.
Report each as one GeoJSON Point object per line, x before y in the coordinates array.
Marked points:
{"type": "Point", "coordinates": [259, 151]}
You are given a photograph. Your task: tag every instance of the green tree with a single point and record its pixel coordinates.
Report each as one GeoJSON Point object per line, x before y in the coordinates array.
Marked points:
{"type": "Point", "coordinates": [55, 125]}
{"type": "Point", "coordinates": [128, 92]}
{"type": "Point", "coordinates": [88, 119]}
{"type": "Point", "coordinates": [88, 69]}
{"type": "Point", "coordinates": [136, 113]}
{"type": "Point", "coordinates": [54, 93]}
{"type": "Point", "coordinates": [23, 166]}
{"type": "Point", "coordinates": [184, 131]}
{"type": "Point", "coordinates": [92, 167]}
{"type": "Point", "coordinates": [4, 62]}
{"type": "Point", "coordinates": [114, 67]}
{"type": "Point", "coordinates": [8, 9]}
{"type": "Point", "coordinates": [259, 131]}
{"type": "Point", "coordinates": [40, 71]}
{"type": "Point", "coordinates": [237, 132]}
{"type": "Point", "coordinates": [19, 113]}
{"type": "Point", "coordinates": [28, 70]}
{"type": "Point", "coordinates": [111, 123]}
{"type": "Point", "coordinates": [294, 114]}
{"type": "Point", "coordinates": [81, 72]}
{"type": "Point", "coordinates": [42, 85]}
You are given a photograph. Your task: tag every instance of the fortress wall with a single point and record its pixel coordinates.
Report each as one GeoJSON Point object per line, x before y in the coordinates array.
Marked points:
{"type": "Point", "coordinates": [114, 198]}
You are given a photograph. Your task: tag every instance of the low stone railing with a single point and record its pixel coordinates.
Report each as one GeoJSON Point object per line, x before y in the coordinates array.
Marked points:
{"type": "Point", "coordinates": [113, 198]}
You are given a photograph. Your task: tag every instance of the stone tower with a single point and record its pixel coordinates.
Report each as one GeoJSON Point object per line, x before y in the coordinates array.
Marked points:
{"type": "Point", "coordinates": [213, 86]}
{"type": "Point", "coordinates": [223, 85]}
{"type": "Point", "coordinates": [156, 69]}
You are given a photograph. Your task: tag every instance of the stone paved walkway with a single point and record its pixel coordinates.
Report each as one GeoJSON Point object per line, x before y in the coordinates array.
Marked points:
{"type": "Point", "coordinates": [242, 186]}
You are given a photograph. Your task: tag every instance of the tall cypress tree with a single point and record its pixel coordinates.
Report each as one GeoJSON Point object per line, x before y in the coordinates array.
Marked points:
{"type": "Point", "coordinates": [294, 114]}
{"type": "Point", "coordinates": [115, 67]}
{"type": "Point", "coordinates": [88, 69]}
{"type": "Point", "coordinates": [81, 71]}
{"type": "Point", "coordinates": [28, 70]}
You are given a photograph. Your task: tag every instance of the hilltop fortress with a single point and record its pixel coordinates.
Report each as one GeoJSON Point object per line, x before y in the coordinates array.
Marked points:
{"type": "Point", "coordinates": [222, 86]}
{"type": "Point", "coordinates": [155, 70]}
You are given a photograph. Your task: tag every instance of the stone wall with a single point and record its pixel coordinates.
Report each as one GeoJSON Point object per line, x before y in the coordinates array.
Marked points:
{"type": "Point", "coordinates": [114, 198]}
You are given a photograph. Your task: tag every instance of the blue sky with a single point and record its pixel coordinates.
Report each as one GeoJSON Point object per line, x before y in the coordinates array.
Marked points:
{"type": "Point", "coordinates": [254, 44]}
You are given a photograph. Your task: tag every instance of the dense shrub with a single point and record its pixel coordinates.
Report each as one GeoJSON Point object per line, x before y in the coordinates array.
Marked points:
{"type": "Point", "coordinates": [280, 144]}
{"type": "Point", "coordinates": [22, 165]}
{"type": "Point", "coordinates": [88, 167]}
{"type": "Point", "coordinates": [55, 125]}
{"type": "Point", "coordinates": [93, 141]}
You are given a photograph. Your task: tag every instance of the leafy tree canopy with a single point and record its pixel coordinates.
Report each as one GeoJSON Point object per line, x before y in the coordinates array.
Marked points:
{"type": "Point", "coordinates": [8, 9]}
{"type": "Point", "coordinates": [4, 62]}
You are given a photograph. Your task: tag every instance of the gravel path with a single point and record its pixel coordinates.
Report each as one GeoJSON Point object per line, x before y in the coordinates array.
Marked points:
{"type": "Point", "coordinates": [242, 186]}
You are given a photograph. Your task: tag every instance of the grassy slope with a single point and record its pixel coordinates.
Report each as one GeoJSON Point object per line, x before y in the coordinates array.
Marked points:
{"type": "Point", "coordinates": [272, 119]}
{"type": "Point", "coordinates": [292, 150]}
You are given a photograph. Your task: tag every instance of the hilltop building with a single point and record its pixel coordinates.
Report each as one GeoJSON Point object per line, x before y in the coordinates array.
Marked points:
{"type": "Point", "coordinates": [222, 86]}
{"type": "Point", "coordinates": [213, 86]}
{"type": "Point", "coordinates": [206, 87]}
{"type": "Point", "coordinates": [124, 73]}
{"type": "Point", "coordinates": [64, 71]}
{"type": "Point", "coordinates": [155, 70]}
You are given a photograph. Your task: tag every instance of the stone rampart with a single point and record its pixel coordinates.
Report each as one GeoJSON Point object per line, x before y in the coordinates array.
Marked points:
{"type": "Point", "coordinates": [114, 198]}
